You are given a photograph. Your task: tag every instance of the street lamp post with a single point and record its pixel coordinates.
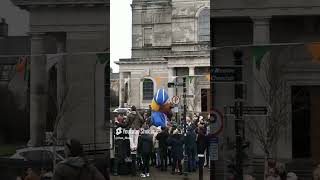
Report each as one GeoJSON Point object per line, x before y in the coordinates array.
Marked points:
{"type": "Point", "coordinates": [185, 164]}
{"type": "Point", "coordinates": [239, 122]}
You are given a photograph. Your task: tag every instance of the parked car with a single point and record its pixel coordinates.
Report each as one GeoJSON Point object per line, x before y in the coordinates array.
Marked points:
{"type": "Point", "coordinates": [39, 153]}
{"type": "Point", "coordinates": [122, 110]}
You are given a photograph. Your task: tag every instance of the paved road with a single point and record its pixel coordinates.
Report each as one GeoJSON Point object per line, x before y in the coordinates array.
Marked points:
{"type": "Point", "coordinates": [156, 174]}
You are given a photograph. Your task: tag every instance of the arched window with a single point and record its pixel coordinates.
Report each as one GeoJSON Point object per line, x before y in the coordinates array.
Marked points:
{"type": "Point", "coordinates": [147, 89]}
{"type": "Point", "coordinates": [204, 25]}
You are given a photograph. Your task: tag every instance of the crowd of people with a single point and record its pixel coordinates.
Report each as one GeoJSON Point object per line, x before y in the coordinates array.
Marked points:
{"type": "Point", "coordinates": [34, 174]}
{"type": "Point", "coordinates": [147, 145]}
{"type": "Point", "coordinates": [75, 166]}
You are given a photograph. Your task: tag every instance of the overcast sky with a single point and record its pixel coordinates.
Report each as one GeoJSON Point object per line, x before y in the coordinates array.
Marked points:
{"type": "Point", "coordinates": [120, 26]}
{"type": "Point", "coordinates": [17, 19]}
{"type": "Point", "coordinates": [120, 31]}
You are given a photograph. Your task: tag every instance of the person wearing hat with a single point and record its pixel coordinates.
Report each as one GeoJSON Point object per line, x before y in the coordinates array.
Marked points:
{"type": "Point", "coordinates": [76, 166]}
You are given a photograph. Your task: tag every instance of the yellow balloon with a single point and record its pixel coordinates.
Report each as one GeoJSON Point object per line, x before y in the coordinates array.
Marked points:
{"type": "Point", "coordinates": [154, 106]}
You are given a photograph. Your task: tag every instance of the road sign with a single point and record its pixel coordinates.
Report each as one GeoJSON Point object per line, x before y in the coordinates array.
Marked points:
{"type": "Point", "coordinates": [224, 74]}
{"type": "Point", "coordinates": [217, 122]}
{"type": "Point", "coordinates": [175, 100]}
{"type": "Point", "coordinates": [251, 110]}
{"type": "Point", "coordinates": [188, 96]}
{"type": "Point", "coordinates": [174, 84]}
{"type": "Point", "coordinates": [214, 148]}
{"type": "Point", "coordinates": [176, 109]}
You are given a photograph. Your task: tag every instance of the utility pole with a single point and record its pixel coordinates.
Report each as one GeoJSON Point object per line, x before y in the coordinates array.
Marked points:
{"type": "Point", "coordinates": [176, 89]}
{"type": "Point", "coordinates": [239, 122]}
{"type": "Point", "coordinates": [185, 164]}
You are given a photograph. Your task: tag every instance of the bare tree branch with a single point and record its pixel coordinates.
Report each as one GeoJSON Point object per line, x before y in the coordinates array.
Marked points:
{"type": "Point", "coordinates": [271, 84]}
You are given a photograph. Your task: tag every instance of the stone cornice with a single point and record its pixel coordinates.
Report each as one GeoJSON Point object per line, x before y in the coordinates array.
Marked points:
{"type": "Point", "coordinates": [140, 62]}
{"type": "Point", "coordinates": [27, 4]}
{"type": "Point", "coordinates": [264, 11]}
{"type": "Point", "coordinates": [147, 3]}
{"type": "Point", "coordinates": [187, 56]}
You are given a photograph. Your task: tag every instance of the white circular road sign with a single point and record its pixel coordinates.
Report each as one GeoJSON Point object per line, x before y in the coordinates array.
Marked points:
{"type": "Point", "coordinates": [217, 118]}
{"type": "Point", "coordinates": [175, 100]}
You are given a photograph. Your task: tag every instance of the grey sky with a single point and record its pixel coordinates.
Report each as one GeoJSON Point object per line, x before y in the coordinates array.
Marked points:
{"type": "Point", "coordinates": [120, 26]}
{"type": "Point", "coordinates": [17, 19]}
{"type": "Point", "coordinates": [120, 31]}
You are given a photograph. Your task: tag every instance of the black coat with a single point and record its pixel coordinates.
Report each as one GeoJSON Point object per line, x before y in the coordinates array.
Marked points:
{"type": "Point", "coordinates": [145, 144]}
{"type": "Point", "coordinates": [202, 142]}
{"type": "Point", "coordinates": [191, 140]}
{"type": "Point", "coordinates": [162, 138]}
{"type": "Point", "coordinates": [121, 127]}
{"type": "Point", "coordinates": [176, 143]}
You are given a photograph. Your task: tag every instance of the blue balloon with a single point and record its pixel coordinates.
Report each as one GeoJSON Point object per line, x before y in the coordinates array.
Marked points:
{"type": "Point", "coordinates": [160, 97]}
{"type": "Point", "coordinates": [158, 119]}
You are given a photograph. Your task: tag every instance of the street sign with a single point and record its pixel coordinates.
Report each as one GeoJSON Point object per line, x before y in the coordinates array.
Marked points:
{"type": "Point", "coordinates": [176, 109]}
{"type": "Point", "coordinates": [188, 96]}
{"type": "Point", "coordinates": [224, 74]}
{"type": "Point", "coordinates": [175, 100]}
{"type": "Point", "coordinates": [251, 110]}
{"type": "Point", "coordinates": [214, 148]}
{"type": "Point", "coordinates": [176, 84]}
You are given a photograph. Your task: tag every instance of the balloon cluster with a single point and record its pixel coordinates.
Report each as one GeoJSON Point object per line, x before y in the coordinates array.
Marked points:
{"type": "Point", "coordinates": [160, 105]}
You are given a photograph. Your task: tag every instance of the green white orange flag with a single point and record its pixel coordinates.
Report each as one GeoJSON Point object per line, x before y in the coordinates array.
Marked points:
{"type": "Point", "coordinates": [190, 79]}
{"type": "Point", "coordinates": [27, 71]}
{"type": "Point", "coordinates": [258, 54]}
{"type": "Point", "coordinates": [158, 80]}
{"type": "Point", "coordinates": [208, 77]}
{"type": "Point", "coordinates": [20, 67]}
{"type": "Point", "coordinates": [314, 49]}
{"type": "Point", "coordinates": [103, 57]}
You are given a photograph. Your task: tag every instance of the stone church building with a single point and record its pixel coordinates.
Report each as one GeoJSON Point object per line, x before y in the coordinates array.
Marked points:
{"type": "Point", "coordinates": [65, 38]}
{"type": "Point", "coordinates": [170, 40]}
{"type": "Point", "coordinates": [241, 22]}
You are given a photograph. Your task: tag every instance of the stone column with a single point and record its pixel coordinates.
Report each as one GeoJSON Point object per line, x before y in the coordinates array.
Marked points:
{"type": "Point", "coordinates": [100, 134]}
{"type": "Point", "coordinates": [121, 88]}
{"type": "Point", "coordinates": [129, 88]}
{"type": "Point", "coordinates": [261, 30]}
{"type": "Point", "coordinates": [38, 90]}
{"type": "Point", "coordinates": [191, 91]}
{"type": "Point", "coordinates": [261, 35]}
{"type": "Point", "coordinates": [61, 75]}
{"type": "Point", "coordinates": [170, 79]}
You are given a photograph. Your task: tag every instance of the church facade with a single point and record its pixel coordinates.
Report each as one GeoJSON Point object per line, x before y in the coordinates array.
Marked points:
{"type": "Point", "coordinates": [65, 39]}
{"type": "Point", "coordinates": [170, 40]}
{"type": "Point", "coordinates": [289, 32]}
